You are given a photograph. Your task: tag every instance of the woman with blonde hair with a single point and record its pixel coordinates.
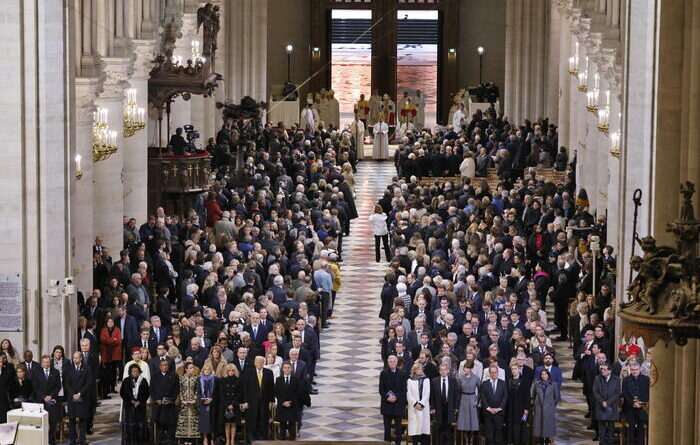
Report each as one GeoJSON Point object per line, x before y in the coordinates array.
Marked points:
{"type": "Point", "coordinates": [348, 176]}
{"type": "Point", "coordinates": [174, 353]}
{"type": "Point", "coordinates": [229, 398]}
{"type": "Point", "coordinates": [418, 397]}
{"type": "Point", "coordinates": [216, 362]}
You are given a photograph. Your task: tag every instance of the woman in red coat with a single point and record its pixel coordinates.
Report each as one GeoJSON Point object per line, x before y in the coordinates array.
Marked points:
{"type": "Point", "coordinates": [213, 209]}
{"type": "Point", "coordinates": [110, 355]}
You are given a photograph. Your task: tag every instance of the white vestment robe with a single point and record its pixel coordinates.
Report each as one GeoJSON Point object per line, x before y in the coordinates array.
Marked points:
{"type": "Point", "coordinates": [380, 150]}
{"type": "Point", "coordinates": [357, 129]}
{"type": "Point", "coordinates": [419, 121]}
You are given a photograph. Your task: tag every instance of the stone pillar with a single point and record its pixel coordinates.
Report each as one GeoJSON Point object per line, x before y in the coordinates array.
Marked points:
{"type": "Point", "coordinates": [246, 67]}
{"type": "Point", "coordinates": [136, 147]}
{"type": "Point", "coordinates": [554, 62]}
{"type": "Point", "coordinates": [661, 405]}
{"type": "Point", "coordinates": [510, 65]}
{"type": "Point", "coordinates": [109, 187]}
{"type": "Point", "coordinates": [82, 193]}
{"type": "Point", "coordinates": [564, 85]}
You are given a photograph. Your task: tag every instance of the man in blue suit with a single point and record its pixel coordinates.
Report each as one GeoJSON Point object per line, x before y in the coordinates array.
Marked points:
{"type": "Point", "coordinates": [554, 371]}
{"type": "Point", "coordinates": [257, 330]}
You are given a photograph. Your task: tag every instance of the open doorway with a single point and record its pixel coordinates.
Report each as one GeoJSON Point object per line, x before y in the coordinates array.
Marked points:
{"type": "Point", "coordinates": [417, 59]}
{"type": "Point", "coordinates": [351, 58]}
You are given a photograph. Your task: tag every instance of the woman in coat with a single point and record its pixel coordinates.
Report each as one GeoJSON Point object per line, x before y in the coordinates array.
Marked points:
{"type": "Point", "coordinates": [468, 416]}
{"type": "Point", "coordinates": [188, 413]}
{"type": "Point", "coordinates": [110, 355]}
{"type": "Point", "coordinates": [518, 408]}
{"type": "Point", "coordinates": [21, 389]}
{"type": "Point", "coordinates": [467, 168]}
{"type": "Point", "coordinates": [418, 397]}
{"type": "Point", "coordinates": [207, 392]}
{"type": "Point", "coordinates": [545, 394]}
{"type": "Point", "coordinates": [134, 393]}
{"type": "Point", "coordinates": [213, 209]}
{"type": "Point", "coordinates": [229, 399]}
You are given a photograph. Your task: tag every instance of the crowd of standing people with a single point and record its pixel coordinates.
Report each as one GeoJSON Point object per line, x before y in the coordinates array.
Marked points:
{"type": "Point", "coordinates": [468, 344]}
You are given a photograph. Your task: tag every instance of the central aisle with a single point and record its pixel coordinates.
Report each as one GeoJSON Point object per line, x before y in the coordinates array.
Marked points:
{"type": "Point", "coordinates": [347, 407]}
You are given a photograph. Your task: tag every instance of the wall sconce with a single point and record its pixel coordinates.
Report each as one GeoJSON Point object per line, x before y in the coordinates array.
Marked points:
{"type": "Point", "coordinates": [78, 171]}
{"type": "Point", "coordinates": [316, 49]}
{"type": "Point", "coordinates": [104, 141]}
{"type": "Point", "coordinates": [134, 116]}
{"type": "Point", "coordinates": [592, 96]}
{"type": "Point", "coordinates": [583, 78]}
{"type": "Point", "coordinates": [573, 62]}
{"type": "Point", "coordinates": [615, 144]}
{"type": "Point", "coordinates": [452, 51]}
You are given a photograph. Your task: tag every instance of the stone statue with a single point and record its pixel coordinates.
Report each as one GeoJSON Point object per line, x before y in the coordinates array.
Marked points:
{"type": "Point", "coordinates": [208, 15]}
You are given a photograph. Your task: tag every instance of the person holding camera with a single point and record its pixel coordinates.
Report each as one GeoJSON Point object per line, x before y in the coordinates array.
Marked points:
{"type": "Point", "coordinates": [178, 142]}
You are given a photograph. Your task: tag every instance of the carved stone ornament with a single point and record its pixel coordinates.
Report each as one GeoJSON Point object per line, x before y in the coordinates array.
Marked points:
{"type": "Point", "coordinates": [663, 298]}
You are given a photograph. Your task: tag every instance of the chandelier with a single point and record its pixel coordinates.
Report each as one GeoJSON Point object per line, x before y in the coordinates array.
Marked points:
{"type": "Point", "coordinates": [604, 116]}
{"type": "Point", "coordinates": [134, 116]}
{"type": "Point", "coordinates": [104, 140]}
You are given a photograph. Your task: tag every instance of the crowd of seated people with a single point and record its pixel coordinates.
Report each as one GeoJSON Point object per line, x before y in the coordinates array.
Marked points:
{"type": "Point", "coordinates": [480, 278]}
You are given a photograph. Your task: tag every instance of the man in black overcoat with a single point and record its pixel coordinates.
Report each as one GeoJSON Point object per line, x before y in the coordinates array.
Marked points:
{"type": "Point", "coordinates": [78, 384]}
{"type": "Point", "coordinates": [258, 397]}
{"type": "Point", "coordinates": [165, 387]}
{"type": "Point", "coordinates": [392, 391]}
{"type": "Point", "coordinates": [444, 403]}
{"type": "Point", "coordinates": [287, 391]}
{"type": "Point", "coordinates": [7, 373]}
{"type": "Point", "coordinates": [635, 392]}
{"type": "Point", "coordinates": [47, 384]}
{"type": "Point", "coordinates": [493, 395]}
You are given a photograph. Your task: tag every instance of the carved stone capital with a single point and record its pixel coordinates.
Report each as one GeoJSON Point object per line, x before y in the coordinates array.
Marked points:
{"type": "Point", "coordinates": [86, 91]}
{"type": "Point", "coordinates": [117, 72]}
{"type": "Point", "coordinates": [146, 52]}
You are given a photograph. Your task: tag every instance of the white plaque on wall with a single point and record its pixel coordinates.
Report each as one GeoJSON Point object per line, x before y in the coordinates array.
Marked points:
{"type": "Point", "coordinates": [11, 303]}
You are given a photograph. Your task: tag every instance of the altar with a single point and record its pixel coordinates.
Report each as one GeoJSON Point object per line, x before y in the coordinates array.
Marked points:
{"type": "Point", "coordinates": [286, 111]}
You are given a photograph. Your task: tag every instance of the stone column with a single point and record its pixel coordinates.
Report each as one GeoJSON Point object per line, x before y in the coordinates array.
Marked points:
{"type": "Point", "coordinates": [246, 67]}
{"type": "Point", "coordinates": [554, 61]}
{"type": "Point", "coordinates": [510, 83]}
{"type": "Point", "coordinates": [564, 83]}
{"type": "Point", "coordinates": [135, 175]}
{"type": "Point", "coordinates": [661, 406]}
{"type": "Point", "coordinates": [82, 193]}
{"type": "Point", "coordinates": [109, 187]}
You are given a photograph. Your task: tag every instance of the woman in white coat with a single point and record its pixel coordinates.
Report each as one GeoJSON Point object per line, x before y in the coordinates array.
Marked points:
{"type": "Point", "coordinates": [418, 397]}
{"type": "Point", "coordinates": [467, 168]}
{"type": "Point", "coordinates": [381, 232]}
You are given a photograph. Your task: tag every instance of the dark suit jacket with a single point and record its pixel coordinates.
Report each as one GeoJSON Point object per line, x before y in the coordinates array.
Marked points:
{"type": "Point", "coordinates": [34, 366]}
{"type": "Point", "coordinates": [491, 400]}
{"type": "Point", "coordinates": [256, 397]}
{"type": "Point", "coordinates": [262, 333]}
{"type": "Point", "coordinates": [78, 381]}
{"type": "Point", "coordinates": [438, 403]}
{"type": "Point", "coordinates": [137, 342]}
{"type": "Point", "coordinates": [630, 390]}
{"type": "Point", "coordinates": [392, 382]}
{"type": "Point", "coordinates": [287, 393]}
{"type": "Point", "coordinates": [225, 312]}
{"type": "Point", "coordinates": [130, 330]}
{"type": "Point", "coordinates": [163, 386]}
{"type": "Point", "coordinates": [608, 392]}
{"type": "Point", "coordinates": [47, 387]}
{"type": "Point", "coordinates": [154, 364]}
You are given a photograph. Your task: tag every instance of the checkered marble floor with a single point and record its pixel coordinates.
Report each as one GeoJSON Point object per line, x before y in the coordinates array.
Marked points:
{"type": "Point", "coordinates": [347, 406]}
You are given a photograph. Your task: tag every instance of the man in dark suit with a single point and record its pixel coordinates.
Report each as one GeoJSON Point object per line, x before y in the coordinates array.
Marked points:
{"type": "Point", "coordinates": [92, 359]}
{"type": "Point", "coordinates": [163, 307]}
{"type": "Point", "coordinates": [223, 307]}
{"type": "Point", "coordinates": [165, 387]}
{"type": "Point", "coordinates": [161, 354]}
{"type": "Point", "coordinates": [47, 384]}
{"type": "Point", "coordinates": [287, 392]}
{"type": "Point", "coordinates": [444, 403]}
{"type": "Point", "coordinates": [606, 392]}
{"type": "Point", "coordinates": [392, 391]}
{"type": "Point", "coordinates": [257, 331]}
{"type": "Point", "coordinates": [145, 341]}
{"type": "Point", "coordinates": [242, 362]}
{"type": "Point", "coordinates": [635, 392]}
{"type": "Point", "coordinates": [127, 325]}
{"type": "Point", "coordinates": [554, 370]}
{"type": "Point", "coordinates": [94, 312]}
{"type": "Point", "coordinates": [197, 352]}
{"type": "Point", "coordinates": [258, 390]}
{"type": "Point", "coordinates": [78, 384]}
{"type": "Point", "coordinates": [493, 395]}
{"type": "Point", "coordinates": [158, 333]}
{"type": "Point", "coordinates": [29, 364]}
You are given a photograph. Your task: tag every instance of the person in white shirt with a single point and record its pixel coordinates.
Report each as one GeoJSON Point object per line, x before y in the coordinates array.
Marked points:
{"type": "Point", "coordinates": [380, 148]}
{"type": "Point", "coordinates": [306, 120]}
{"type": "Point", "coordinates": [459, 117]}
{"type": "Point", "coordinates": [381, 232]}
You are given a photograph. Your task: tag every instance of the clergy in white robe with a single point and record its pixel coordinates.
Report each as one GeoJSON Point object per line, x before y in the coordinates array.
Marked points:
{"type": "Point", "coordinates": [457, 99]}
{"type": "Point", "coordinates": [405, 127]}
{"type": "Point", "coordinates": [418, 398]}
{"type": "Point", "coordinates": [380, 150]}
{"type": "Point", "coordinates": [307, 120]}
{"type": "Point", "coordinates": [357, 130]}
{"type": "Point", "coordinates": [459, 117]}
{"type": "Point", "coordinates": [402, 101]}
{"type": "Point", "coordinates": [332, 110]}
{"type": "Point", "coordinates": [419, 102]}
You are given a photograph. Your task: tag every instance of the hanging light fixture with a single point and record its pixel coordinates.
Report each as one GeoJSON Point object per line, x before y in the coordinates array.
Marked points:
{"type": "Point", "coordinates": [134, 116]}
{"type": "Point", "coordinates": [104, 140]}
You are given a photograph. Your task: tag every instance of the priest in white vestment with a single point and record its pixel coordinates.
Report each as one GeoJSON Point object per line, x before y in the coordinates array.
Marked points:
{"type": "Point", "coordinates": [419, 102]}
{"type": "Point", "coordinates": [374, 105]}
{"type": "Point", "coordinates": [459, 118]}
{"type": "Point", "coordinates": [332, 110]}
{"type": "Point", "coordinates": [307, 120]}
{"type": "Point", "coordinates": [380, 150]}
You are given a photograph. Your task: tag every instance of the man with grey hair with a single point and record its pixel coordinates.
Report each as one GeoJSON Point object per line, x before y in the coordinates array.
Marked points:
{"type": "Point", "coordinates": [324, 284]}
{"type": "Point", "coordinates": [137, 288]}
